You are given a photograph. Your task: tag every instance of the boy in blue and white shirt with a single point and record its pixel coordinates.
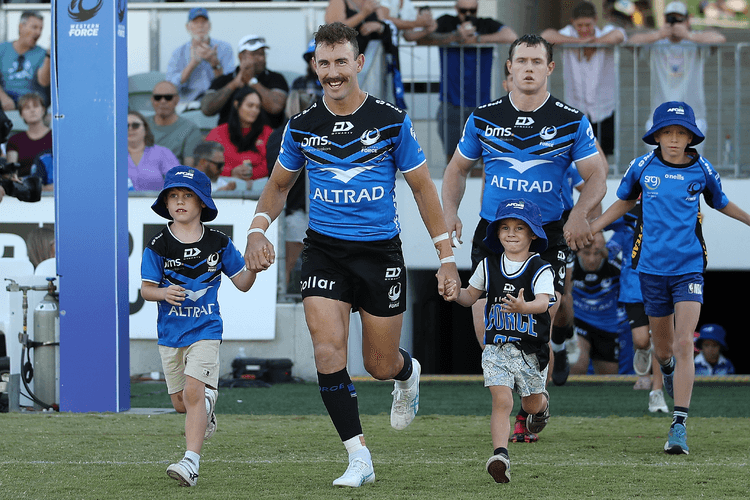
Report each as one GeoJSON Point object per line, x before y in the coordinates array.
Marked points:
{"type": "Point", "coordinates": [181, 270]}
{"type": "Point", "coordinates": [669, 251]}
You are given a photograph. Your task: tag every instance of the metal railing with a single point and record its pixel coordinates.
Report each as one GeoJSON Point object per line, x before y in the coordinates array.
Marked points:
{"type": "Point", "coordinates": [726, 73]}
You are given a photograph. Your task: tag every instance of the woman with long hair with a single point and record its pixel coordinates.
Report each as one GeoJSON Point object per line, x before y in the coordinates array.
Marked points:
{"type": "Point", "coordinates": [244, 137]}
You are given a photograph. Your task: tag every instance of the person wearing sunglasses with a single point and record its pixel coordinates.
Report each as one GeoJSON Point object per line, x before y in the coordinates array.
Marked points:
{"type": "Point", "coordinates": [194, 65]}
{"type": "Point", "coordinates": [209, 159]}
{"type": "Point", "coordinates": [147, 162]}
{"type": "Point", "coordinates": [24, 65]}
{"type": "Point", "coordinates": [677, 60]}
{"type": "Point", "coordinates": [465, 73]}
{"type": "Point", "coordinates": [171, 130]}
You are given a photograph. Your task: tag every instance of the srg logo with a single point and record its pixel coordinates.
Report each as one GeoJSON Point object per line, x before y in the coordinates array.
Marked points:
{"type": "Point", "coordinates": [652, 181]}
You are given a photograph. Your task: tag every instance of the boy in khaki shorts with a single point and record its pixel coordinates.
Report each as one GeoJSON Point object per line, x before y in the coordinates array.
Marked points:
{"type": "Point", "coordinates": [181, 270]}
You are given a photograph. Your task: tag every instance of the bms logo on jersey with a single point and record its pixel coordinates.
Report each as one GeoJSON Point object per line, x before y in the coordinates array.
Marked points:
{"type": "Point", "coordinates": [497, 132]}
{"type": "Point", "coordinates": [314, 142]}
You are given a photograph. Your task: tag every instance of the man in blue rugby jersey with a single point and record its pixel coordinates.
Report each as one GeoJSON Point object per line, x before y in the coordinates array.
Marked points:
{"type": "Point", "coordinates": [527, 140]}
{"type": "Point", "coordinates": [352, 144]}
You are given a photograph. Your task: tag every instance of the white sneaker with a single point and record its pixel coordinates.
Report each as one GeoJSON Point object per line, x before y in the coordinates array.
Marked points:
{"type": "Point", "coordinates": [211, 423]}
{"type": "Point", "coordinates": [358, 473]}
{"type": "Point", "coordinates": [499, 468]}
{"type": "Point", "coordinates": [406, 401]}
{"type": "Point", "coordinates": [642, 361]}
{"type": "Point", "coordinates": [656, 402]}
{"type": "Point", "coordinates": [184, 472]}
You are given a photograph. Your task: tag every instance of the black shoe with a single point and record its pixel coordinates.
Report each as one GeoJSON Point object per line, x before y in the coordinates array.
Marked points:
{"type": "Point", "coordinates": [561, 368]}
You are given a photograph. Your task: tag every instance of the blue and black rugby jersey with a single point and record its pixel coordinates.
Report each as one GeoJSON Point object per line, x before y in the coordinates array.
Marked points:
{"type": "Point", "coordinates": [197, 267]}
{"type": "Point", "coordinates": [526, 153]}
{"type": "Point", "coordinates": [596, 294]}
{"type": "Point", "coordinates": [351, 164]}
{"type": "Point", "coordinates": [671, 239]}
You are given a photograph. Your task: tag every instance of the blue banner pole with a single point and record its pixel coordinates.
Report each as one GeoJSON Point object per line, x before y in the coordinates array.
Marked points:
{"type": "Point", "coordinates": [89, 125]}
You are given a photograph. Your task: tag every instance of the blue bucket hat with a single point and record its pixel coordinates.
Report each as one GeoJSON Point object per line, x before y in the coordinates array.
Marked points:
{"type": "Point", "coordinates": [193, 179]}
{"type": "Point", "coordinates": [674, 113]}
{"type": "Point", "coordinates": [712, 332]}
{"type": "Point", "coordinates": [309, 51]}
{"type": "Point", "coordinates": [521, 209]}
{"type": "Point", "coordinates": [197, 12]}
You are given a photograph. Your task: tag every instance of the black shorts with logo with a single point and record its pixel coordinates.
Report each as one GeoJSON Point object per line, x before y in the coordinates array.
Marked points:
{"type": "Point", "coordinates": [556, 254]}
{"type": "Point", "coordinates": [366, 274]}
{"type": "Point", "coordinates": [604, 345]}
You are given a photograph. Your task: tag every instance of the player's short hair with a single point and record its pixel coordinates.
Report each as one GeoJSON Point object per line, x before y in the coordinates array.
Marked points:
{"type": "Point", "coordinates": [532, 41]}
{"type": "Point", "coordinates": [30, 97]}
{"type": "Point", "coordinates": [584, 9]}
{"type": "Point", "coordinates": [335, 33]}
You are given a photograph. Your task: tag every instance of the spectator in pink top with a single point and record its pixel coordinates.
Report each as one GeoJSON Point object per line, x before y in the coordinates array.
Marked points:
{"type": "Point", "coordinates": [147, 162]}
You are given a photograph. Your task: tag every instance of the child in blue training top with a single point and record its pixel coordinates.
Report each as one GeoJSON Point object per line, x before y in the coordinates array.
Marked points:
{"type": "Point", "coordinates": [520, 290]}
{"type": "Point", "coordinates": [669, 252]}
{"type": "Point", "coordinates": [181, 270]}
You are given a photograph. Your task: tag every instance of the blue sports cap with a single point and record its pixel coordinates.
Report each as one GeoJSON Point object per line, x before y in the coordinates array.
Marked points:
{"type": "Point", "coordinates": [521, 209]}
{"type": "Point", "coordinates": [197, 12]}
{"type": "Point", "coordinates": [712, 332]}
{"type": "Point", "coordinates": [674, 113]}
{"type": "Point", "coordinates": [309, 51]}
{"type": "Point", "coordinates": [193, 179]}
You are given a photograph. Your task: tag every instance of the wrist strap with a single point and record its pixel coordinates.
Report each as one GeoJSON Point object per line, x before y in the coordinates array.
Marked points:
{"type": "Point", "coordinates": [265, 216]}
{"type": "Point", "coordinates": [256, 230]}
{"type": "Point", "coordinates": [437, 239]}
{"type": "Point", "coordinates": [450, 258]}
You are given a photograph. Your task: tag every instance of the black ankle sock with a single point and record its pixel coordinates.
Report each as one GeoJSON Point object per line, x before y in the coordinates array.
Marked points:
{"type": "Point", "coordinates": [405, 372]}
{"type": "Point", "coordinates": [669, 367]}
{"type": "Point", "coordinates": [523, 413]}
{"type": "Point", "coordinates": [561, 333]}
{"type": "Point", "coordinates": [503, 451]}
{"type": "Point", "coordinates": [679, 415]}
{"type": "Point", "coordinates": [340, 399]}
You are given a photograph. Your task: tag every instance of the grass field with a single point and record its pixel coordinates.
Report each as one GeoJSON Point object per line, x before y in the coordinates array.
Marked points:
{"type": "Point", "coordinates": [278, 443]}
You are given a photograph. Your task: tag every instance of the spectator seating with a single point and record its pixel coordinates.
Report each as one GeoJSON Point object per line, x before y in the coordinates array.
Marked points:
{"type": "Point", "coordinates": [140, 87]}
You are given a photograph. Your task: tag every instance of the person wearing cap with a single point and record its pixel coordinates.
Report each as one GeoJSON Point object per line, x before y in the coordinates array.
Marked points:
{"type": "Point", "coordinates": [669, 252]}
{"type": "Point", "coordinates": [352, 146]}
{"type": "Point", "coordinates": [194, 65]}
{"type": "Point", "coordinates": [252, 71]}
{"type": "Point", "coordinates": [519, 286]}
{"type": "Point", "coordinates": [181, 271]}
{"type": "Point", "coordinates": [712, 344]}
{"type": "Point", "coordinates": [677, 61]}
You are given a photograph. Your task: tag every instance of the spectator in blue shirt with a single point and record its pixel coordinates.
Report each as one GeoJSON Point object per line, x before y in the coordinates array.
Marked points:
{"type": "Point", "coordinates": [710, 361]}
{"type": "Point", "coordinates": [194, 65]}
{"type": "Point", "coordinates": [24, 64]}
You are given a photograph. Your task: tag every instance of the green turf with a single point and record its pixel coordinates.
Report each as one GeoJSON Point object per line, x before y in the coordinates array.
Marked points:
{"type": "Point", "coordinates": [459, 398]}
{"type": "Point", "coordinates": [277, 443]}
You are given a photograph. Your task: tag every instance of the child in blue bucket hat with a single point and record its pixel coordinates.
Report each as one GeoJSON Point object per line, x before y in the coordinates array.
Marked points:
{"type": "Point", "coordinates": [181, 271]}
{"type": "Point", "coordinates": [711, 342]}
{"type": "Point", "coordinates": [520, 289]}
{"type": "Point", "coordinates": [668, 248]}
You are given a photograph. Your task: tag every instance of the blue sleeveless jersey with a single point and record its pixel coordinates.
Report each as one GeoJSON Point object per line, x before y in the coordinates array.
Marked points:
{"type": "Point", "coordinates": [351, 164]}
{"type": "Point", "coordinates": [197, 267]}
{"type": "Point", "coordinates": [526, 153]}
{"type": "Point", "coordinates": [671, 240]}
